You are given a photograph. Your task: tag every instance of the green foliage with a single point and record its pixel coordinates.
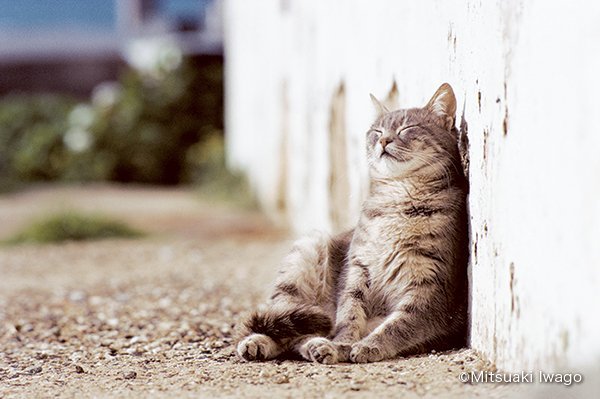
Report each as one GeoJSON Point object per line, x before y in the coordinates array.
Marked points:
{"type": "Point", "coordinates": [70, 226]}
{"type": "Point", "coordinates": [142, 134]}
{"type": "Point", "coordinates": [144, 137]}
{"type": "Point", "coordinates": [31, 138]}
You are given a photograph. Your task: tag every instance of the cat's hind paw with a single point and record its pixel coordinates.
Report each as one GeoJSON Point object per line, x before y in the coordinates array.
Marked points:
{"type": "Point", "coordinates": [257, 347]}
{"type": "Point", "coordinates": [319, 350]}
{"type": "Point", "coordinates": [363, 353]}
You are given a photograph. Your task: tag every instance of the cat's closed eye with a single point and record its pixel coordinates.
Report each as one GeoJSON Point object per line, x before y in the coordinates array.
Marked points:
{"type": "Point", "coordinates": [373, 135]}
{"type": "Point", "coordinates": [404, 129]}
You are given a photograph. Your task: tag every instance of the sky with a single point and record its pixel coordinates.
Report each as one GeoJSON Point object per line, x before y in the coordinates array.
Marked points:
{"type": "Point", "coordinates": [98, 14]}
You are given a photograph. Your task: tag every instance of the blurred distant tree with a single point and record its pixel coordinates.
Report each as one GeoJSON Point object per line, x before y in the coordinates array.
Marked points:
{"type": "Point", "coordinates": [145, 135]}
{"type": "Point", "coordinates": [140, 129]}
{"type": "Point", "coordinates": [31, 137]}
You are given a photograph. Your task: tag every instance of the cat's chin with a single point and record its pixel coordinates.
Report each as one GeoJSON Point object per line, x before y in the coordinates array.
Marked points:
{"type": "Point", "coordinates": [387, 167]}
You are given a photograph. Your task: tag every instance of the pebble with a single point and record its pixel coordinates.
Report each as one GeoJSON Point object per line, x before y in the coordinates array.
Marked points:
{"type": "Point", "coordinates": [134, 352]}
{"type": "Point", "coordinates": [79, 369]}
{"type": "Point", "coordinates": [355, 385]}
{"type": "Point", "coordinates": [35, 370]}
{"type": "Point", "coordinates": [77, 296]}
{"type": "Point", "coordinates": [265, 373]}
{"type": "Point", "coordinates": [129, 375]}
{"type": "Point", "coordinates": [281, 379]}
{"type": "Point", "coordinates": [112, 322]}
{"type": "Point", "coordinates": [135, 340]}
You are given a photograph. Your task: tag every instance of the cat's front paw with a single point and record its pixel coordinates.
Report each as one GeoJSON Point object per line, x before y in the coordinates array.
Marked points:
{"type": "Point", "coordinates": [365, 353]}
{"type": "Point", "coordinates": [343, 351]}
{"type": "Point", "coordinates": [257, 347]}
{"type": "Point", "coordinates": [320, 350]}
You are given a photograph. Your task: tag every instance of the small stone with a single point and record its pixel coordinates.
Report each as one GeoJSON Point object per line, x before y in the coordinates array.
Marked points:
{"type": "Point", "coordinates": [355, 386]}
{"type": "Point", "coordinates": [113, 322]}
{"type": "Point", "coordinates": [135, 340]}
{"type": "Point", "coordinates": [281, 379]}
{"type": "Point", "coordinates": [95, 300]}
{"type": "Point", "coordinates": [134, 352]}
{"type": "Point", "coordinates": [77, 296]}
{"type": "Point", "coordinates": [164, 303]}
{"type": "Point", "coordinates": [79, 369]}
{"type": "Point", "coordinates": [130, 375]}
{"type": "Point", "coordinates": [265, 373]}
{"type": "Point", "coordinates": [35, 370]}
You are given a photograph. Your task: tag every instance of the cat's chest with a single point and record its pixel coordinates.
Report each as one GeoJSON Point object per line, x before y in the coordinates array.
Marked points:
{"type": "Point", "coordinates": [379, 241]}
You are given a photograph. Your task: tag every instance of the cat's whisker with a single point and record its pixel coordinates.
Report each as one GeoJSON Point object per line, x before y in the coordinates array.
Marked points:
{"type": "Point", "coordinates": [428, 161]}
{"type": "Point", "coordinates": [458, 169]}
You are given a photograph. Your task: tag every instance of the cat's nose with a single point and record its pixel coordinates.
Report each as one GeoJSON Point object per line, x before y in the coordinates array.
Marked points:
{"type": "Point", "coordinates": [385, 140]}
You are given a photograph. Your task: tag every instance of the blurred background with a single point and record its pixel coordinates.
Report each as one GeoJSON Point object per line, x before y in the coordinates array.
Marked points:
{"type": "Point", "coordinates": [125, 91]}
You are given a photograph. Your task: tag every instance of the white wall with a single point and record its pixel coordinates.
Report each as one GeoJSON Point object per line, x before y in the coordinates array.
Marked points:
{"type": "Point", "coordinates": [526, 76]}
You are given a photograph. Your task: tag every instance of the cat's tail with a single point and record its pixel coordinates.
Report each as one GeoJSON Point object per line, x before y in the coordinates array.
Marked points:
{"type": "Point", "coordinates": [281, 324]}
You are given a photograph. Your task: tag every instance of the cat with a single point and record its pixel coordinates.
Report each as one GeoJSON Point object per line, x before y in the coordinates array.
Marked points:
{"type": "Point", "coordinates": [396, 284]}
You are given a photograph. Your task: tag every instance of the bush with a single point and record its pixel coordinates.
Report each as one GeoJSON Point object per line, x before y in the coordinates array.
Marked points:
{"type": "Point", "coordinates": [31, 138]}
{"type": "Point", "coordinates": [139, 129]}
{"type": "Point", "coordinates": [71, 226]}
{"type": "Point", "coordinates": [145, 135]}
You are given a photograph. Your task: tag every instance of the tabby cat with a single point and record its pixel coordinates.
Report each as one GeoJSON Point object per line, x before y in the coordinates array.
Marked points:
{"type": "Point", "coordinates": [397, 283]}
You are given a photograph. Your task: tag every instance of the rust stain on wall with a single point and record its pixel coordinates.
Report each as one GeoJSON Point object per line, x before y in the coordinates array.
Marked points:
{"type": "Point", "coordinates": [505, 120]}
{"type": "Point", "coordinates": [475, 247]}
{"type": "Point", "coordinates": [463, 143]}
{"type": "Point", "coordinates": [486, 134]}
{"type": "Point", "coordinates": [281, 200]}
{"type": "Point", "coordinates": [514, 300]}
{"type": "Point", "coordinates": [339, 187]}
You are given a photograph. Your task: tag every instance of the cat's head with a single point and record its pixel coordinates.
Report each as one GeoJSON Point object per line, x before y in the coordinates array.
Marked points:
{"type": "Point", "coordinates": [402, 142]}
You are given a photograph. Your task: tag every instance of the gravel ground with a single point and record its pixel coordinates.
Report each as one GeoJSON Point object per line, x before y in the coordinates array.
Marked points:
{"type": "Point", "coordinates": [154, 317]}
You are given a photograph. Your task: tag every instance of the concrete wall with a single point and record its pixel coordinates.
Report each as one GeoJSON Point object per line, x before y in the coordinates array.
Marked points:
{"type": "Point", "coordinates": [298, 74]}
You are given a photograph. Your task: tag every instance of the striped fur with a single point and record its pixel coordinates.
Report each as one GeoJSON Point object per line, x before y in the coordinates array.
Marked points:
{"type": "Point", "coordinates": [397, 283]}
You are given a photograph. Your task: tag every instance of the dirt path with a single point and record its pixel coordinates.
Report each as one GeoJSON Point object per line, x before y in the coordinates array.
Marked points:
{"type": "Point", "coordinates": [154, 317]}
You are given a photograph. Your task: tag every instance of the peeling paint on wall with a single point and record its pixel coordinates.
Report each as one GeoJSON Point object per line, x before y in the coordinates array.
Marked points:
{"type": "Point", "coordinates": [339, 189]}
{"type": "Point", "coordinates": [505, 120]}
{"type": "Point", "coordinates": [281, 201]}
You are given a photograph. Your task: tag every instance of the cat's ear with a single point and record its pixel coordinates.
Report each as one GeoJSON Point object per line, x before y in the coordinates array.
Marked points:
{"type": "Point", "coordinates": [380, 109]}
{"type": "Point", "coordinates": [391, 101]}
{"type": "Point", "coordinates": [443, 104]}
